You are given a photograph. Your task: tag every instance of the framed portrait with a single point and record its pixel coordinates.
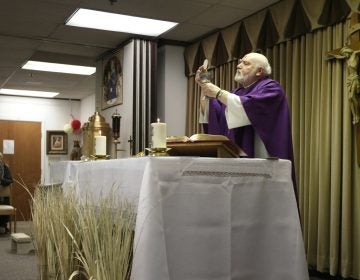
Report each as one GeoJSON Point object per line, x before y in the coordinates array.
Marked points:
{"type": "Point", "coordinates": [56, 142]}
{"type": "Point", "coordinates": [112, 80]}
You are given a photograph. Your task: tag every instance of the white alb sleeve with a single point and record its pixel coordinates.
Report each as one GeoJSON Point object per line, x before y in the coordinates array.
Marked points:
{"type": "Point", "coordinates": [204, 116]}
{"type": "Point", "coordinates": [235, 113]}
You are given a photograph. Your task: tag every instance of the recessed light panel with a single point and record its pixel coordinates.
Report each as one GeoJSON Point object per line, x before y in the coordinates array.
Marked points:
{"type": "Point", "coordinates": [119, 23]}
{"type": "Point", "coordinates": [59, 68]}
{"type": "Point", "coordinates": [29, 93]}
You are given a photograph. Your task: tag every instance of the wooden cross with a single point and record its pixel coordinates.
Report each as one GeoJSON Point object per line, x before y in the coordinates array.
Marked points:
{"type": "Point", "coordinates": [131, 143]}
{"type": "Point", "coordinates": [351, 52]}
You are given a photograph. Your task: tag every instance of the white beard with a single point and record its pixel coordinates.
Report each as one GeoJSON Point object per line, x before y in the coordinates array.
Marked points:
{"type": "Point", "coordinates": [237, 77]}
{"type": "Point", "coordinates": [244, 80]}
{"type": "Point", "coordinates": [240, 78]}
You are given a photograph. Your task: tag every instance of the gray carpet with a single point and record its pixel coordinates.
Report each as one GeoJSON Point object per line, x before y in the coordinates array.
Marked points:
{"type": "Point", "coordinates": [17, 267]}
{"type": "Point", "coordinates": [24, 267]}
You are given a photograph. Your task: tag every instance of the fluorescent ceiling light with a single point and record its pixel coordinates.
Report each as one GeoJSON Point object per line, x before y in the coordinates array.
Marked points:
{"type": "Point", "coordinates": [59, 68]}
{"type": "Point", "coordinates": [119, 23]}
{"type": "Point", "coordinates": [32, 93]}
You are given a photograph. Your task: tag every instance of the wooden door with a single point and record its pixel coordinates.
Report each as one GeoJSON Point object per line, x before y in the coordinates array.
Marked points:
{"type": "Point", "coordinates": [25, 163]}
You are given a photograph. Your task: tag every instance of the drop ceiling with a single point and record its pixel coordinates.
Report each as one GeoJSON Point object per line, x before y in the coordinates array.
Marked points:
{"type": "Point", "coordinates": [35, 29]}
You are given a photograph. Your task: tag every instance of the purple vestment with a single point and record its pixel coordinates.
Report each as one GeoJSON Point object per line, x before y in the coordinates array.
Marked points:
{"type": "Point", "coordinates": [266, 106]}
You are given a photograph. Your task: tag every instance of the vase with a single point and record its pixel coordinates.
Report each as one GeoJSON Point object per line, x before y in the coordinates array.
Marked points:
{"type": "Point", "coordinates": [76, 151]}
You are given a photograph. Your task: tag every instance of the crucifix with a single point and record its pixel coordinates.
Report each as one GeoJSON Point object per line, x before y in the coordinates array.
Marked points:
{"type": "Point", "coordinates": [131, 143]}
{"type": "Point", "coordinates": [351, 52]}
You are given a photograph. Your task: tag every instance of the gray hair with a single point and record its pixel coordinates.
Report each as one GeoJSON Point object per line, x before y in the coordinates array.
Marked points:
{"type": "Point", "coordinates": [261, 61]}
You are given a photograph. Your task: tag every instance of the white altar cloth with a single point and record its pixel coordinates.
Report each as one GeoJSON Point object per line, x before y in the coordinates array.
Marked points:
{"type": "Point", "coordinates": [205, 218]}
{"type": "Point", "coordinates": [202, 218]}
{"type": "Point", "coordinates": [101, 178]}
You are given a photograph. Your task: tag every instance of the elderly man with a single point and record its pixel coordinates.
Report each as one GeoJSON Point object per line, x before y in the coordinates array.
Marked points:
{"type": "Point", "coordinates": [255, 116]}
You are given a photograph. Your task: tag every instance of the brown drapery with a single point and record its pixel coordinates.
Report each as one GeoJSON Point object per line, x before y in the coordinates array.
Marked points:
{"type": "Point", "coordinates": [283, 21]}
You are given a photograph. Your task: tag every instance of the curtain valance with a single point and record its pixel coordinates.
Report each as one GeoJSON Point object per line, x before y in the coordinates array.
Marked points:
{"type": "Point", "coordinates": [283, 21]}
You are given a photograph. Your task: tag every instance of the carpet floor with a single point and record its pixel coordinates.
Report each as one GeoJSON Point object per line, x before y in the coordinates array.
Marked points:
{"type": "Point", "coordinates": [24, 267]}
{"type": "Point", "coordinates": [13, 266]}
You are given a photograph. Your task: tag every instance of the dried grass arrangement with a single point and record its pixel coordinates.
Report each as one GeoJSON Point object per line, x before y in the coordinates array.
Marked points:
{"type": "Point", "coordinates": [87, 239]}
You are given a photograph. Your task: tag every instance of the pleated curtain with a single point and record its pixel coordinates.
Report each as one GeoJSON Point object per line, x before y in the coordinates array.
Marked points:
{"type": "Point", "coordinates": [144, 88]}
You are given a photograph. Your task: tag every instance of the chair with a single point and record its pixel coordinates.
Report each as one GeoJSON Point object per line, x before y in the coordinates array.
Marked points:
{"type": "Point", "coordinates": [8, 210]}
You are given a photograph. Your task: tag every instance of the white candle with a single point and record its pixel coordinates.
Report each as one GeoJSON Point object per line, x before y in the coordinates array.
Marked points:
{"type": "Point", "coordinates": [158, 139]}
{"type": "Point", "coordinates": [100, 145]}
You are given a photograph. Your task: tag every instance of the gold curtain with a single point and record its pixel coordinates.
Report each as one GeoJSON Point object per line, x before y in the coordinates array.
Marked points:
{"type": "Point", "coordinates": [324, 144]}
{"type": "Point", "coordinates": [324, 147]}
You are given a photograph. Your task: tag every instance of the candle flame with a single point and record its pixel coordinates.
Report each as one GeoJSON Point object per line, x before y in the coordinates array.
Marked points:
{"type": "Point", "coordinates": [158, 120]}
{"type": "Point", "coordinates": [100, 132]}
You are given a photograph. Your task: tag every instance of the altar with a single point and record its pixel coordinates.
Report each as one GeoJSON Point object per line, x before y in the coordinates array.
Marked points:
{"type": "Point", "coordinates": [204, 218]}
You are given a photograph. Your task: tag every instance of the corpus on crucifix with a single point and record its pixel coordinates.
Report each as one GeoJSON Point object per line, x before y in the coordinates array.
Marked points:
{"type": "Point", "coordinates": [351, 52]}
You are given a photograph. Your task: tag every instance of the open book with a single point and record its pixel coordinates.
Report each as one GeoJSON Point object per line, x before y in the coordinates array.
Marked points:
{"type": "Point", "coordinates": [196, 138]}
{"type": "Point", "coordinates": [203, 145]}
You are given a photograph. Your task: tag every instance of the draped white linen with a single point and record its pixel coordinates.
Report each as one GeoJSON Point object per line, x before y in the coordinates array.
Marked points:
{"type": "Point", "coordinates": [203, 218]}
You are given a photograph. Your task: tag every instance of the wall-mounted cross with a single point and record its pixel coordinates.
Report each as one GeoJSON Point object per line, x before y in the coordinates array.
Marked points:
{"type": "Point", "coordinates": [351, 52]}
{"type": "Point", "coordinates": [131, 143]}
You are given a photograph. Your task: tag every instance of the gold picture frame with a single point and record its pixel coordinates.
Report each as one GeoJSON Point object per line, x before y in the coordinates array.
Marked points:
{"type": "Point", "coordinates": [56, 142]}
{"type": "Point", "coordinates": [112, 81]}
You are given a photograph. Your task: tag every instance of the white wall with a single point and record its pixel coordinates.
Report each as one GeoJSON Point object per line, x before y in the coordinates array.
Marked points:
{"type": "Point", "coordinates": [87, 108]}
{"type": "Point", "coordinates": [125, 110]}
{"type": "Point", "coordinates": [53, 114]}
{"type": "Point", "coordinates": [171, 93]}
{"type": "Point", "coordinates": [172, 87]}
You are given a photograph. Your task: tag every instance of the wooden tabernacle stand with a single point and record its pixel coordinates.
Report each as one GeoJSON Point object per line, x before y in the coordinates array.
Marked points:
{"type": "Point", "coordinates": [203, 145]}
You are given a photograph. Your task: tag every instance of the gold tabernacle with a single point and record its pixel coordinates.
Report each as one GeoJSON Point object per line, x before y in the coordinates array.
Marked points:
{"type": "Point", "coordinates": [94, 127]}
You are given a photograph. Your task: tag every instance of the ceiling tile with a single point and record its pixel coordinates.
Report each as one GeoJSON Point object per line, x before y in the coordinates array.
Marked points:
{"type": "Point", "coordinates": [29, 27]}
{"type": "Point", "coordinates": [250, 5]}
{"type": "Point", "coordinates": [71, 49]}
{"type": "Point", "coordinates": [193, 32]}
{"type": "Point", "coordinates": [172, 10]}
{"type": "Point", "coordinates": [220, 16]}
{"type": "Point", "coordinates": [89, 37]}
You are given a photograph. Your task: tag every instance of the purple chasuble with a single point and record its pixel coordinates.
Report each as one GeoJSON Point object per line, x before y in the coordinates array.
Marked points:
{"type": "Point", "coordinates": [266, 106]}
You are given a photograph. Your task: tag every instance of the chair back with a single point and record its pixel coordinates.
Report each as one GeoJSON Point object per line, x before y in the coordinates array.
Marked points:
{"type": "Point", "coordinates": [5, 191]}
{"type": "Point", "coordinates": [8, 210]}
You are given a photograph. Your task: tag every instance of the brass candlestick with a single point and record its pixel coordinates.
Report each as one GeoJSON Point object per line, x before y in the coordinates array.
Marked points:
{"type": "Point", "coordinates": [116, 143]}
{"type": "Point", "coordinates": [116, 118]}
{"type": "Point", "coordinates": [158, 152]}
{"type": "Point", "coordinates": [99, 157]}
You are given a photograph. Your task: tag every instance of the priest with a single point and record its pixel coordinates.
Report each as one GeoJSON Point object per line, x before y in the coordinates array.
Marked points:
{"type": "Point", "coordinates": [255, 116]}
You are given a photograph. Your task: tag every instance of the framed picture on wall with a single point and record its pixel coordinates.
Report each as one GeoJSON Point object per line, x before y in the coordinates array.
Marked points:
{"type": "Point", "coordinates": [112, 80]}
{"type": "Point", "coordinates": [56, 142]}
